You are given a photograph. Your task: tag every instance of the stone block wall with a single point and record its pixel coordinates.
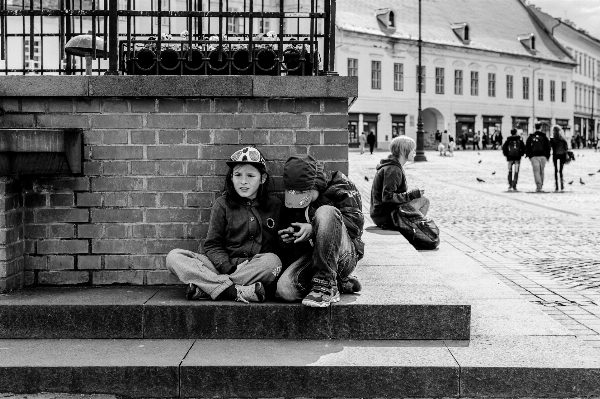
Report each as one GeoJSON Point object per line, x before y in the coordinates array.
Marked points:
{"type": "Point", "coordinates": [153, 165]}
{"type": "Point", "coordinates": [11, 235]}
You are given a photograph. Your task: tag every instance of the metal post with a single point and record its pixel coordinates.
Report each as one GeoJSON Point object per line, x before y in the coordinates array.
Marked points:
{"type": "Point", "coordinates": [420, 156]}
{"type": "Point", "coordinates": [113, 38]}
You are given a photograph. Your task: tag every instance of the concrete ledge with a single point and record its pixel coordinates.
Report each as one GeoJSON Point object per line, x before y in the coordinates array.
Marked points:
{"type": "Point", "coordinates": [306, 86]}
{"type": "Point", "coordinates": [44, 86]}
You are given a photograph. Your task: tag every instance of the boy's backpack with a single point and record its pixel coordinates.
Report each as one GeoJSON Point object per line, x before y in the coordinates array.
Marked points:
{"type": "Point", "coordinates": [514, 148]}
{"type": "Point", "coordinates": [421, 232]}
{"type": "Point", "coordinates": [537, 144]}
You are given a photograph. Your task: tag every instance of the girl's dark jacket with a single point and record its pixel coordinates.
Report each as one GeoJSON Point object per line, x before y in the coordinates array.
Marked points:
{"type": "Point", "coordinates": [389, 190]}
{"type": "Point", "coordinates": [240, 229]}
{"type": "Point", "coordinates": [559, 147]}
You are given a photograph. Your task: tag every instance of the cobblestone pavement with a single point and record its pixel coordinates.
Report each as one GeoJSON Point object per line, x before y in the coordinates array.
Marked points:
{"type": "Point", "coordinates": [545, 245]}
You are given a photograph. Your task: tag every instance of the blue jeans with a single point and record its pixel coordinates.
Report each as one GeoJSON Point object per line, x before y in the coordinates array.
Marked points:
{"type": "Point", "coordinates": [538, 164]}
{"type": "Point", "coordinates": [333, 258]}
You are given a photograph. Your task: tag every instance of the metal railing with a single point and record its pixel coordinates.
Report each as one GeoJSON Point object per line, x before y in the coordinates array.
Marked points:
{"type": "Point", "coordinates": [169, 37]}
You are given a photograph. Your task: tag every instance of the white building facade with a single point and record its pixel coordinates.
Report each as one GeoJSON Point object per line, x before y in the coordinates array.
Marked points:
{"type": "Point", "coordinates": [472, 83]}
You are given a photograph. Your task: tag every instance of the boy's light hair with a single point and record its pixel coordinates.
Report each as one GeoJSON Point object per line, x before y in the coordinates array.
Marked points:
{"type": "Point", "coordinates": [402, 145]}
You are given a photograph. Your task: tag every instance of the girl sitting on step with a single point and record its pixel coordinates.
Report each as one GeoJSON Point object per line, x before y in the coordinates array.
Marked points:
{"type": "Point", "coordinates": [238, 259]}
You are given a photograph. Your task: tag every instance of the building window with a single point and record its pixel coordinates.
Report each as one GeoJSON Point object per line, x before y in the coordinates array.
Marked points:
{"type": "Point", "coordinates": [399, 77]}
{"type": "Point", "coordinates": [458, 81]}
{"type": "Point", "coordinates": [32, 65]}
{"type": "Point", "coordinates": [540, 89]}
{"type": "Point", "coordinates": [474, 83]}
{"type": "Point", "coordinates": [439, 80]}
{"type": "Point", "coordinates": [509, 86]}
{"type": "Point", "coordinates": [491, 84]}
{"type": "Point", "coordinates": [122, 6]}
{"type": "Point", "coordinates": [352, 67]}
{"type": "Point", "coordinates": [398, 125]}
{"type": "Point", "coordinates": [264, 25]}
{"type": "Point", "coordinates": [422, 79]}
{"type": "Point", "coordinates": [375, 74]}
{"type": "Point", "coordinates": [525, 88]}
{"type": "Point", "coordinates": [552, 91]}
{"type": "Point", "coordinates": [563, 94]}
{"type": "Point", "coordinates": [165, 22]}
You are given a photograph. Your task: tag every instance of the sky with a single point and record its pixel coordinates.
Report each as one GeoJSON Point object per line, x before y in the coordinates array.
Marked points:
{"type": "Point", "coordinates": [585, 13]}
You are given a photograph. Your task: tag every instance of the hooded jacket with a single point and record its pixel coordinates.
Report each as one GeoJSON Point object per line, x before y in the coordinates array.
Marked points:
{"type": "Point", "coordinates": [389, 190]}
{"type": "Point", "coordinates": [529, 145]}
{"type": "Point", "coordinates": [507, 145]}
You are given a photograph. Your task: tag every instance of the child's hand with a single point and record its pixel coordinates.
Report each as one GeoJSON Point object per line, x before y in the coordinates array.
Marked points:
{"type": "Point", "coordinates": [422, 192]}
{"type": "Point", "coordinates": [304, 232]}
{"type": "Point", "coordinates": [287, 235]}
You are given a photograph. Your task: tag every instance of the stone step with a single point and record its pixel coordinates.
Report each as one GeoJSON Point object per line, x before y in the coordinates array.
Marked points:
{"type": "Point", "coordinates": [411, 312]}
{"type": "Point", "coordinates": [545, 366]}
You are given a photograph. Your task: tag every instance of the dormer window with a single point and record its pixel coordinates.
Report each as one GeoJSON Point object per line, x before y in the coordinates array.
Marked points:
{"type": "Point", "coordinates": [528, 40]}
{"type": "Point", "coordinates": [461, 30]}
{"type": "Point", "coordinates": [386, 20]}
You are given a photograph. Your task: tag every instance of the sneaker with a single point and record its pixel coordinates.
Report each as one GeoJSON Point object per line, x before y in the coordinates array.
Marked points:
{"type": "Point", "coordinates": [194, 292]}
{"type": "Point", "coordinates": [349, 285]}
{"type": "Point", "coordinates": [250, 293]}
{"type": "Point", "coordinates": [321, 297]}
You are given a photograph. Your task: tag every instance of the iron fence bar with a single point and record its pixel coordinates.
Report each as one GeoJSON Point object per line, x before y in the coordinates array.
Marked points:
{"type": "Point", "coordinates": [220, 30]}
{"type": "Point", "coordinates": [31, 34]}
{"type": "Point", "coordinates": [130, 51]}
{"type": "Point", "coordinates": [113, 39]}
{"type": "Point", "coordinates": [105, 33]}
{"type": "Point", "coordinates": [80, 18]}
{"type": "Point", "coordinates": [23, 41]}
{"type": "Point", "coordinates": [189, 30]}
{"type": "Point", "coordinates": [250, 32]}
{"type": "Point", "coordinates": [41, 41]}
{"type": "Point", "coordinates": [281, 33]}
{"type": "Point", "coordinates": [326, 41]}
{"type": "Point", "coordinates": [331, 22]}
{"type": "Point", "coordinates": [68, 23]}
{"type": "Point", "coordinates": [312, 38]}
{"type": "Point", "coordinates": [3, 29]}
{"type": "Point", "coordinates": [61, 39]}
{"type": "Point", "coordinates": [159, 37]}
{"type": "Point", "coordinates": [93, 31]}
{"type": "Point", "coordinates": [54, 13]}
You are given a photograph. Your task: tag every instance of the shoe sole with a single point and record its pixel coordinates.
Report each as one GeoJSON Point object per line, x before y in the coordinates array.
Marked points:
{"type": "Point", "coordinates": [313, 304]}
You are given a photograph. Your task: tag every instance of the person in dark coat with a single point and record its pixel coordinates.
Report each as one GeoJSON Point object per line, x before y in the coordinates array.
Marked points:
{"type": "Point", "coordinates": [537, 149]}
{"type": "Point", "coordinates": [513, 149]}
{"type": "Point", "coordinates": [371, 141]}
{"type": "Point", "coordinates": [559, 155]}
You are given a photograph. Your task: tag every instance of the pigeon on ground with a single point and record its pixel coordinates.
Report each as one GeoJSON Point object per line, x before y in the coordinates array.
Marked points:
{"type": "Point", "coordinates": [494, 173]}
{"type": "Point", "coordinates": [478, 154]}
{"type": "Point", "coordinates": [591, 174]}
{"type": "Point", "coordinates": [598, 171]}
{"type": "Point", "coordinates": [366, 178]}
{"type": "Point", "coordinates": [480, 180]}
{"type": "Point", "coordinates": [571, 182]}
{"type": "Point", "coordinates": [479, 161]}
{"type": "Point", "coordinates": [581, 181]}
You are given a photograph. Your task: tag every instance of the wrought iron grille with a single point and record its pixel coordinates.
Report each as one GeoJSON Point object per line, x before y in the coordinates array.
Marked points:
{"type": "Point", "coordinates": [169, 37]}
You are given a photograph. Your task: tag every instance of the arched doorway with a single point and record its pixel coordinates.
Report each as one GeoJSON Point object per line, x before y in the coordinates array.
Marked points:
{"type": "Point", "coordinates": [433, 120]}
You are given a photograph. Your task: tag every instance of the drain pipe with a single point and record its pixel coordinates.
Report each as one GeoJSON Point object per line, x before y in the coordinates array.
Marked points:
{"type": "Point", "coordinates": [533, 97]}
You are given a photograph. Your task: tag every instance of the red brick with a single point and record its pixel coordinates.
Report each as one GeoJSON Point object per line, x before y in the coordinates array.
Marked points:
{"type": "Point", "coordinates": [114, 168]}
{"type": "Point", "coordinates": [92, 137]}
{"type": "Point", "coordinates": [36, 262]}
{"type": "Point", "coordinates": [218, 151]}
{"type": "Point", "coordinates": [87, 105]}
{"type": "Point", "coordinates": [144, 230]}
{"type": "Point", "coordinates": [70, 277]}
{"type": "Point", "coordinates": [212, 183]}
{"type": "Point", "coordinates": [172, 215]}
{"type": "Point", "coordinates": [308, 105]}
{"type": "Point", "coordinates": [61, 263]}
{"type": "Point", "coordinates": [337, 105]}
{"type": "Point", "coordinates": [31, 246]}
{"type": "Point", "coordinates": [225, 121]}
{"type": "Point", "coordinates": [170, 168]}
{"type": "Point", "coordinates": [134, 262]}
{"type": "Point", "coordinates": [60, 105]}
{"type": "Point", "coordinates": [280, 121]}
{"type": "Point", "coordinates": [115, 199]}
{"type": "Point", "coordinates": [61, 231]}
{"type": "Point", "coordinates": [116, 215]}
{"type": "Point", "coordinates": [89, 199]}
{"type": "Point", "coordinates": [63, 247]}
{"type": "Point", "coordinates": [170, 105]}
{"type": "Point", "coordinates": [171, 230]}
{"type": "Point", "coordinates": [171, 183]}
{"type": "Point", "coordinates": [143, 199]}
{"type": "Point", "coordinates": [63, 121]}
{"type": "Point", "coordinates": [161, 277]}
{"type": "Point", "coordinates": [117, 121]}
{"type": "Point", "coordinates": [89, 262]}
{"type": "Point", "coordinates": [19, 121]}
{"type": "Point", "coordinates": [282, 137]}
{"type": "Point", "coordinates": [253, 105]}
{"type": "Point", "coordinates": [282, 105]}
{"type": "Point", "coordinates": [198, 137]}
{"type": "Point", "coordinates": [120, 262]}
{"type": "Point", "coordinates": [171, 200]}
{"type": "Point", "coordinates": [226, 105]}
{"type": "Point", "coordinates": [328, 121]}
{"type": "Point", "coordinates": [226, 137]}
{"type": "Point", "coordinates": [33, 200]}
{"type": "Point", "coordinates": [65, 184]}
{"type": "Point", "coordinates": [143, 168]}
{"type": "Point", "coordinates": [115, 106]}
{"type": "Point", "coordinates": [172, 121]}
{"type": "Point", "coordinates": [165, 245]}
{"type": "Point", "coordinates": [89, 231]}
{"type": "Point", "coordinates": [104, 277]}
{"type": "Point", "coordinates": [249, 136]}
{"type": "Point", "coordinates": [331, 153]}
{"type": "Point", "coordinates": [92, 168]}
{"type": "Point", "coordinates": [273, 153]}
{"type": "Point", "coordinates": [341, 166]}
{"type": "Point", "coordinates": [117, 184]}
{"type": "Point", "coordinates": [115, 137]}
{"type": "Point", "coordinates": [105, 246]}
{"type": "Point", "coordinates": [200, 168]}
{"type": "Point", "coordinates": [335, 137]}
{"type": "Point", "coordinates": [198, 105]}
{"type": "Point", "coordinates": [197, 230]}
{"type": "Point", "coordinates": [143, 105]}
{"type": "Point", "coordinates": [62, 215]}
{"type": "Point", "coordinates": [66, 199]}
{"type": "Point", "coordinates": [35, 230]}
{"type": "Point", "coordinates": [116, 231]}
{"type": "Point", "coordinates": [173, 152]}
{"type": "Point", "coordinates": [143, 137]}
{"type": "Point", "coordinates": [170, 137]}
{"type": "Point", "coordinates": [36, 104]}
{"type": "Point", "coordinates": [308, 137]}
{"type": "Point", "coordinates": [117, 152]}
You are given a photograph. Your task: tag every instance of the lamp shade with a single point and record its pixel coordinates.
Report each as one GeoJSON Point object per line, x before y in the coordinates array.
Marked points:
{"type": "Point", "coordinates": [81, 46]}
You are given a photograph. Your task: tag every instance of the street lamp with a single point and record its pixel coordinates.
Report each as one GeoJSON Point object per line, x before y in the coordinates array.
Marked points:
{"type": "Point", "coordinates": [420, 156]}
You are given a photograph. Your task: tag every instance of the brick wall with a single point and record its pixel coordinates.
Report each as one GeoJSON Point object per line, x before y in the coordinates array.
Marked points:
{"type": "Point", "coordinates": [11, 235]}
{"type": "Point", "coordinates": [152, 168]}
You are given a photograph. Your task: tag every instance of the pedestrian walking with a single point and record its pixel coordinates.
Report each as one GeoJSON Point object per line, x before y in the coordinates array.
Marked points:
{"type": "Point", "coordinates": [513, 149]}
{"type": "Point", "coordinates": [537, 149]}
{"type": "Point", "coordinates": [476, 141]}
{"type": "Point", "coordinates": [559, 155]}
{"type": "Point", "coordinates": [484, 140]}
{"type": "Point", "coordinates": [499, 139]}
{"type": "Point", "coordinates": [451, 146]}
{"type": "Point", "coordinates": [238, 261]}
{"type": "Point", "coordinates": [438, 136]}
{"type": "Point", "coordinates": [463, 141]}
{"type": "Point", "coordinates": [578, 141]}
{"type": "Point", "coordinates": [371, 141]}
{"type": "Point", "coordinates": [362, 139]}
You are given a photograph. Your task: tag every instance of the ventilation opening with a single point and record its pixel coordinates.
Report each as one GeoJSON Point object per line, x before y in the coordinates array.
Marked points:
{"type": "Point", "coordinates": [528, 40]}
{"type": "Point", "coordinates": [391, 19]}
{"type": "Point", "coordinates": [461, 30]}
{"type": "Point", "coordinates": [386, 19]}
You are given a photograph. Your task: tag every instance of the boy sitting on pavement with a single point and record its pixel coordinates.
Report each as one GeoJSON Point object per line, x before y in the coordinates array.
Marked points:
{"type": "Point", "coordinates": [324, 213]}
